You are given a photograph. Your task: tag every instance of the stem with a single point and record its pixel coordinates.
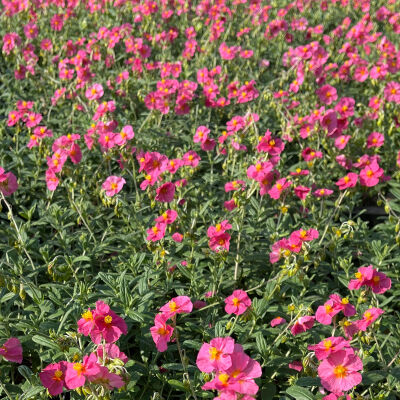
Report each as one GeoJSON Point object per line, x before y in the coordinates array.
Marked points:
{"type": "Point", "coordinates": [11, 217]}
{"type": "Point", "coordinates": [3, 388]}
{"type": "Point", "coordinates": [181, 357]}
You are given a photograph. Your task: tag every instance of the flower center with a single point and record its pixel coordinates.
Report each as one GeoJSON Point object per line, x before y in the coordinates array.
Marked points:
{"type": "Point", "coordinates": [340, 371]}
{"type": "Point", "coordinates": [79, 368]}
{"type": "Point", "coordinates": [172, 306]}
{"type": "Point", "coordinates": [328, 309]}
{"type": "Point", "coordinates": [114, 186]}
{"type": "Point", "coordinates": [224, 378]}
{"type": "Point", "coordinates": [58, 375]}
{"type": "Point", "coordinates": [368, 315]}
{"type": "Point", "coordinates": [235, 301]}
{"type": "Point", "coordinates": [162, 331]}
{"type": "Point", "coordinates": [87, 315]}
{"type": "Point", "coordinates": [359, 276]}
{"type": "Point", "coordinates": [346, 179]}
{"type": "Point", "coordinates": [235, 373]}
{"type": "Point", "coordinates": [215, 354]}
{"type": "Point", "coordinates": [327, 344]}
{"type": "Point", "coordinates": [345, 300]}
{"type": "Point", "coordinates": [108, 319]}
{"type": "Point", "coordinates": [376, 279]}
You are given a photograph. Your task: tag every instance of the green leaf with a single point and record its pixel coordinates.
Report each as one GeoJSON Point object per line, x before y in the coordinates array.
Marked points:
{"type": "Point", "coordinates": [177, 385]}
{"type": "Point", "coordinates": [45, 342]}
{"type": "Point", "coordinates": [300, 393]}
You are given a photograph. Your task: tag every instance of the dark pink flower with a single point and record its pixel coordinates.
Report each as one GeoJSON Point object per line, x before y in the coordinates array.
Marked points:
{"type": "Point", "coordinates": [53, 377]}
{"type": "Point", "coordinates": [338, 372]}
{"type": "Point", "coordinates": [237, 303]}
{"type": "Point", "coordinates": [161, 332]}
{"type": "Point", "coordinates": [11, 350]}
{"type": "Point", "coordinates": [166, 192]}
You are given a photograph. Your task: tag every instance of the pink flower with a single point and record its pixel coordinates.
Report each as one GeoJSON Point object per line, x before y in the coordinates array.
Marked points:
{"type": "Point", "coordinates": [76, 373]}
{"type": "Point", "coordinates": [301, 192]}
{"type": "Point", "coordinates": [237, 303]}
{"type": "Point", "coordinates": [106, 379]}
{"type": "Point", "coordinates": [323, 192]}
{"type": "Point", "coordinates": [375, 139]}
{"type": "Point", "coordinates": [326, 312]}
{"type": "Point", "coordinates": [379, 282]}
{"type": "Point", "coordinates": [51, 180]}
{"type": "Point", "coordinates": [53, 377]}
{"type": "Point", "coordinates": [276, 190]}
{"type": "Point", "coordinates": [107, 324]}
{"type": "Point", "coordinates": [347, 181]}
{"type": "Point", "coordinates": [235, 185]}
{"type": "Point", "coordinates": [338, 372]}
{"type": "Point", "coordinates": [278, 321]}
{"type": "Point", "coordinates": [341, 141]}
{"type": "Point", "coordinates": [191, 158]}
{"type": "Point", "coordinates": [392, 92]}
{"type": "Point", "coordinates": [177, 237]}
{"type": "Point", "coordinates": [177, 305]}
{"type": "Point", "coordinates": [113, 185]}
{"type": "Point", "coordinates": [220, 242]}
{"type": "Point", "coordinates": [126, 134]}
{"type": "Point", "coordinates": [215, 356]}
{"type": "Point", "coordinates": [157, 232]}
{"type": "Point", "coordinates": [270, 145]}
{"type": "Point", "coordinates": [342, 304]}
{"type": "Point", "coordinates": [94, 92]}
{"type": "Point", "coordinates": [112, 352]}
{"type": "Point", "coordinates": [166, 192]}
{"type": "Point", "coordinates": [219, 228]}
{"type": "Point", "coordinates": [363, 275]}
{"type": "Point", "coordinates": [86, 323]}
{"type": "Point", "coordinates": [11, 350]}
{"type": "Point", "coordinates": [8, 182]}
{"type": "Point", "coordinates": [302, 324]}
{"type": "Point", "coordinates": [296, 365]}
{"type": "Point", "coordinates": [369, 176]}
{"type": "Point", "coordinates": [309, 154]}
{"type": "Point", "coordinates": [168, 217]}
{"type": "Point", "coordinates": [201, 134]}
{"type": "Point", "coordinates": [327, 94]}
{"type": "Point", "coordinates": [328, 346]}
{"type": "Point", "coordinates": [369, 317]}
{"type": "Point", "coordinates": [161, 332]}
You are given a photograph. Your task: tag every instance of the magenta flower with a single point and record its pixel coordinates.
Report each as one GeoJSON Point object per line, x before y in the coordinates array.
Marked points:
{"type": "Point", "coordinates": [392, 92]}
{"type": "Point", "coordinates": [326, 312]}
{"type": "Point", "coordinates": [379, 282]}
{"type": "Point", "coordinates": [375, 139]}
{"type": "Point", "coordinates": [278, 321]}
{"type": "Point", "coordinates": [106, 379]}
{"type": "Point", "coordinates": [157, 232]}
{"type": "Point", "coordinates": [219, 228]}
{"type": "Point", "coordinates": [113, 185]}
{"type": "Point", "coordinates": [276, 190]}
{"type": "Point", "coordinates": [177, 237]}
{"type": "Point", "coordinates": [327, 94]}
{"type": "Point", "coordinates": [237, 303]}
{"type": "Point", "coordinates": [107, 324]}
{"type": "Point", "coordinates": [86, 323]}
{"type": "Point", "coordinates": [215, 356]}
{"type": "Point", "coordinates": [94, 92]}
{"type": "Point", "coordinates": [166, 192]}
{"type": "Point", "coordinates": [8, 182]}
{"type": "Point", "coordinates": [322, 192]}
{"type": "Point", "coordinates": [53, 377]}
{"type": "Point", "coordinates": [112, 351]}
{"type": "Point", "coordinates": [302, 324]}
{"type": "Point", "coordinates": [168, 217]}
{"type": "Point", "coordinates": [369, 317]}
{"type": "Point", "coordinates": [161, 332]}
{"type": "Point", "coordinates": [347, 181]}
{"type": "Point", "coordinates": [76, 373]}
{"type": "Point", "coordinates": [220, 242]}
{"type": "Point", "coordinates": [177, 305]}
{"type": "Point", "coordinates": [329, 346]}
{"type": "Point", "coordinates": [11, 350]}
{"type": "Point", "coordinates": [369, 176]}
{"type": "Point", "coordinates": [342, 304]}
{"type": "Point", "coordinates": [126, 134]}
{"type": "Point", "coordinates": [338, 372]}
{"type": "Point", "coordinates": [363, 275]}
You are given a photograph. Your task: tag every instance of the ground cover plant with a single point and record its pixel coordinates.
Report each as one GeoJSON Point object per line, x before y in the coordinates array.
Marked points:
{"type": "Point", "coordinates": [200, 199]}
